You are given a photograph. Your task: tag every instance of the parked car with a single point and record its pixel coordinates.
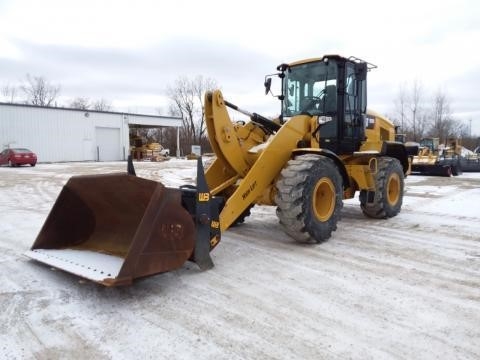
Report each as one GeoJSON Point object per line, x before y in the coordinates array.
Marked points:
{"type": "Point", "coordinates": [17, 157]}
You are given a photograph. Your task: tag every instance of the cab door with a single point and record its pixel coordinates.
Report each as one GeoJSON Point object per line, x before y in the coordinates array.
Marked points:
{"type": "Point", "coordinates": [354, 109]}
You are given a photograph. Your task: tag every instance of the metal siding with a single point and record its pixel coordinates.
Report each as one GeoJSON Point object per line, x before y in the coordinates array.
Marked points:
{"type": "Point", "coordinates": [57, 134]}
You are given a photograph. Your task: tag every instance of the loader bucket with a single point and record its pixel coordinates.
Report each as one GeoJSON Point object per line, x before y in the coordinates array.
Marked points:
{"type": "Point", "coordinates": [114, 228]}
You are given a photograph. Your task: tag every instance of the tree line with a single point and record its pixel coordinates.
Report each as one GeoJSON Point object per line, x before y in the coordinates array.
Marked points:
{"type": "Point", "coordinates": [186, 102]}
{"type": "Point", "coordinates": [36, 90]}
{"type": "Point", "coordinates": [419, 114]}
{"type": "Point", "coordinates": [416, 113]}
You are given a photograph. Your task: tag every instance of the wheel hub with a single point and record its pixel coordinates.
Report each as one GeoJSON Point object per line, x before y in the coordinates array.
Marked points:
{"type": "Point", "coordinates": [393, 189]}
{"type": "Point", "coordinates": [324, 198]}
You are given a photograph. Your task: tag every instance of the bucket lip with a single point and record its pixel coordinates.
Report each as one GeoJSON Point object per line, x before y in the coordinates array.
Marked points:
{"type": "Point", "coordinates": [88, 264]}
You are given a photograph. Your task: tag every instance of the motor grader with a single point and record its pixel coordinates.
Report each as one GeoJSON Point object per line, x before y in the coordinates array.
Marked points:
{"type": "Point", "coordinates": [323, 148]}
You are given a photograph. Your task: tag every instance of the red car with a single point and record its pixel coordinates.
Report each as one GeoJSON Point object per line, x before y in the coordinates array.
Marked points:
{"type": "Point", "coordinates": [16, 157]}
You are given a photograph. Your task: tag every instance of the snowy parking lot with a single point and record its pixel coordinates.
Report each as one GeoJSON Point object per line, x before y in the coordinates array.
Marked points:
{"type": "Point", "coordinates": [403, 288]}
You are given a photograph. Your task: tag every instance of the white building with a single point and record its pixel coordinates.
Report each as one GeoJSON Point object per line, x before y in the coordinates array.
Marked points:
{"type": "Point", "coordinates": [63, 134]}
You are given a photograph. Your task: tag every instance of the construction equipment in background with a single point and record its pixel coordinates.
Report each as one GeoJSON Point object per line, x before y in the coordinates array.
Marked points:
{"type": "Point", "coordinates": [324, 147]}
{"type": "Point", "coordinates": [469, 160]}
{"type": "Point", "coordinates": [435, 159]}
{"type": "Point", "coordinates": [141, 150]}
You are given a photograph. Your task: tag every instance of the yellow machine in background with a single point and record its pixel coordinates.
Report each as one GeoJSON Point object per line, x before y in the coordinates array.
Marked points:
{"type": "Point", "coordinates": [433, 159]}
{"type": "Point", "coordinates": [322, 149]}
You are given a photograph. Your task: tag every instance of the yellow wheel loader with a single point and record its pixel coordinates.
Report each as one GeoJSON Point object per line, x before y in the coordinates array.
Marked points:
{"type": "Point", "coordinates": [324, 147]}
{"type": "Point", "coordinates": [430, 159]}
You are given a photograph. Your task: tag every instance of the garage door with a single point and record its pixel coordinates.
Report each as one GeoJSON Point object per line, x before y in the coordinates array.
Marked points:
{"type": "Point", "coordinates": [108, 144]}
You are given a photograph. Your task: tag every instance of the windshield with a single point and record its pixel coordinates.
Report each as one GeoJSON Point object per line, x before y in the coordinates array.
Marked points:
{"type": "Point", "coordinates": [311, 88]}
{"type": "Point", "coordinates": [21, 151]}
{"type": "Point", "coordinates": [431, 143]}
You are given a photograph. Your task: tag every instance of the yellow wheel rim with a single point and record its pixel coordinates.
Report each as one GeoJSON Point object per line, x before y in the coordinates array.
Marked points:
{"type": "Point", "coordinates": [324, 198]}
{"type": "Point", "coordinates": [393, 189]}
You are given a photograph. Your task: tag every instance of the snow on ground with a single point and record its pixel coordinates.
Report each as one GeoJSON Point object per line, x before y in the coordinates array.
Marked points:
{"type": "Point", "coordinates": [403, 288]}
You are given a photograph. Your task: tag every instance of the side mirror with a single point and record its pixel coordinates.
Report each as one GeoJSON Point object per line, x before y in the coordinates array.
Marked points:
{"type": "Point", "coordinates": [267, 84]}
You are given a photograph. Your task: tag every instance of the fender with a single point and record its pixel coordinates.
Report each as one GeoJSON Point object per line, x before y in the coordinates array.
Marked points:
{"type": "Point", "coordinates": [398, 151]}
{"type": "Point", "coordinates": [331, 155]}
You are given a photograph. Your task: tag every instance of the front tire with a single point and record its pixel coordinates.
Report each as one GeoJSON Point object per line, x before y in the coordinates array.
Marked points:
{"type": "Point", "coordinates": [309, 198]}
{"type": "Point", "coordinates": [387, 199]}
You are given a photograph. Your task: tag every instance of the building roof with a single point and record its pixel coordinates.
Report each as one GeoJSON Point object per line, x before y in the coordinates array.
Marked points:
{"type": "Point", "coordinates": [133, 119]}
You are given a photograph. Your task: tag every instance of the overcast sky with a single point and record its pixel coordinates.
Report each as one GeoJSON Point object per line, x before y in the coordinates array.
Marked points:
{"type": "Point", "coordinates": [129, 51]}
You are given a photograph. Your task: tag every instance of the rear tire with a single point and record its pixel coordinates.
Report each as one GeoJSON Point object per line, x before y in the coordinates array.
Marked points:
{"type": "Point", "coordinates": [456, 169]}
{"type": "Point", "coordinates": [309, 198]}
{"type": "Point", "coordinates": [388, 197]}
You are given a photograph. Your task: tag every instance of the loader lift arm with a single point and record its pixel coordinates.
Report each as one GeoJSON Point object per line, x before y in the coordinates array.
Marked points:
{"type": "Point", "coordinates": [248, 174]}
{"type": "Point", "coordinates": [269, 125]}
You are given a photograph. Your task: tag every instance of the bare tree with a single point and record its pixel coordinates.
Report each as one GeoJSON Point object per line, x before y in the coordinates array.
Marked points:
{"type": "Point", "coordinates": [39, 91]}
{"type": "Point", "coordinates": [80, 103]}
{"type": "Point", "coordinates": [84, 103]}
{"type": "Point", "coordinates": [409, 110]}
{"type": "Point", "coordinates": [416, 107]}
{"type": "Point", "coordinates": [401, 104]}
{"type": "Point", "coordinates": [187, 102]}
{"type": "Point", "coordinates": [9, 93]}
{"type": "Point", "coordinates": [437, 122]}
{"type": "Point", "coordinates": [422, 124]}
{"type": "Point", "coordinates": [443, 125]}
{"type": "Point", "coordinates": [102, 105]}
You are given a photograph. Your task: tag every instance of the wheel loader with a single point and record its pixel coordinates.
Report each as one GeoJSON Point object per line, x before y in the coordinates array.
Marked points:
{"type": "Point", "coordinates": [431, 159]}
{"type": "Point", "coordinates": [323, 148]}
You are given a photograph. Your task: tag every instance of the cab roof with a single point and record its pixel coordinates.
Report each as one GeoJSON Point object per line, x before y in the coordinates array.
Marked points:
{"type": "Point", "coordinates": [317, 59]}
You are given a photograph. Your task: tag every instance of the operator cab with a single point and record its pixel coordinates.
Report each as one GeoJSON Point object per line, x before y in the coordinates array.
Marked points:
{"type": "Point", "coordinates": [431, 143]}
{"type": "Point", "coordinates": [334, 89]}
